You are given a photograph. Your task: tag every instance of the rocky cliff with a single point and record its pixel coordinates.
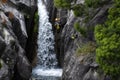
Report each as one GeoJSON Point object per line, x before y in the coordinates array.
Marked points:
{"type": "Point", "coordinates": [78, 65]}
{"type": "Point", "coordinates": [16, 17]}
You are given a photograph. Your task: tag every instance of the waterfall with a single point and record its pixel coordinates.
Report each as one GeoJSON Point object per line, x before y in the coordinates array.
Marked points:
{"type": "Point", "coordinates": [46, 53]}
{"type": "Point", "coordinates": [47, 62]}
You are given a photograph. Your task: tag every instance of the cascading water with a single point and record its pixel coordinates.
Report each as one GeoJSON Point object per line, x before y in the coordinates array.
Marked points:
{"type": "Point", "coordinates": [46, 68]}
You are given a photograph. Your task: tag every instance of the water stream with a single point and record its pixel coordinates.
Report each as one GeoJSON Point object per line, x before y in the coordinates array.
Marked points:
{"type": "Point", "coordinates": [47, 66]}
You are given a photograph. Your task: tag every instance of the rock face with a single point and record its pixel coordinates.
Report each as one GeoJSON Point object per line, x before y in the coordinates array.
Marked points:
{"type": "Point", "coordinates": [14, 64]}
{"type": "Point", "coordinates": [75, 67]}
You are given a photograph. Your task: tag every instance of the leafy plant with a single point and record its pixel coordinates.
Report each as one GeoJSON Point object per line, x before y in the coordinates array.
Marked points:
{"type": "Point", "coordinates": [80, 29]}
{"type": "Point", "coordinates": [79, 10]}
{"type": "Point", "coordinates": [63, 3]}
{"type": "Point", "coordinates": [92, 3]}
{"type": "Point", "coordinates": [108, 39]}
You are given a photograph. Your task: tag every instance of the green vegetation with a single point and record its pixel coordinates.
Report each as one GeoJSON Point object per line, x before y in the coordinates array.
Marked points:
{"type": "Point", "coordinates": [79, 10]}
{"type": "Point", "coordinates": [92, 3]}
{"type": "Point", "coordinates": [83, 9]}
{"type": "Point", "coordinates": [107, 35]}
{"type": "Point", "coordinates": [108, 39]}
{"type": "Point", "coordinates": [87, 48]}
{"type": "Point", "coordinates": [82, 30]}
{"type": "Point", "coordinates": [63, 3]}
{"type": "Point", "coordinates": [36, 20]}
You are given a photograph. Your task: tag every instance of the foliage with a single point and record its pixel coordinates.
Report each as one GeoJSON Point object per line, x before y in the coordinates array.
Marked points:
{"type": "Point", "coordinates": [87, 48]}
{"type": "Point", "coordinates": [79, 10]}
{"type": "Point", "coordinates": [63, 3]}
{"type": "Point", "coordinates": [108, 39]}
{"type": "Point", "coordinates": [114, 13]}
{"type": "Point", "coordinates": [82, 30]}
{"type": "Point", "coordinates": [83, 9]}
{"type": "Point", "coordinates": [92, 3]}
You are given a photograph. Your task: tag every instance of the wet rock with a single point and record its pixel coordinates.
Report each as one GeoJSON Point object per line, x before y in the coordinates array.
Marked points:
{"type": "Point", "coordinates": [13, 38]}
{"type": "Point", "coordinates": [94, 65]}
{"type": "Point", "coordinates": [28, 3]}
{"type": "Point", "coordinates": [91, 75]}
{"type": "Point", "coordinates": [2, 47]}
{"type": "Point", "coordinates": [18, 32]}
{"type": "Point", "coordinates": [4, 71]}
{"type": "Point", "coordinates": [23, 66]}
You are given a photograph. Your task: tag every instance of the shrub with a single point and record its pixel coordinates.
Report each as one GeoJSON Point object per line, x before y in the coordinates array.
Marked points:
{"type": "Point", "coordinates": [79, 10]}
{"type": "Point", "coordinates": [92, 3]}
{"type": "Point", "coordinates": [108, 52]}
{"type": "Point", "coordinates": [114, 13]}
{"type": "Point", "coordinates": [63, 3]}
{"type": "Point", "coordinates": [108, 39]}
{"type": "Point", "coordinates": [82, 30]}
{"type": "Point", "coordinates": [87, 48]}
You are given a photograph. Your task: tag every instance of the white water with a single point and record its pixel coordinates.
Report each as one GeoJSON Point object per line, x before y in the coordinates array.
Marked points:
{"type": "Point", "coordinates": [46, 55]}
{"type": "Point", "coordinates": [47, 62]}
{"type": "Point", "coordinates": [49, 72]}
